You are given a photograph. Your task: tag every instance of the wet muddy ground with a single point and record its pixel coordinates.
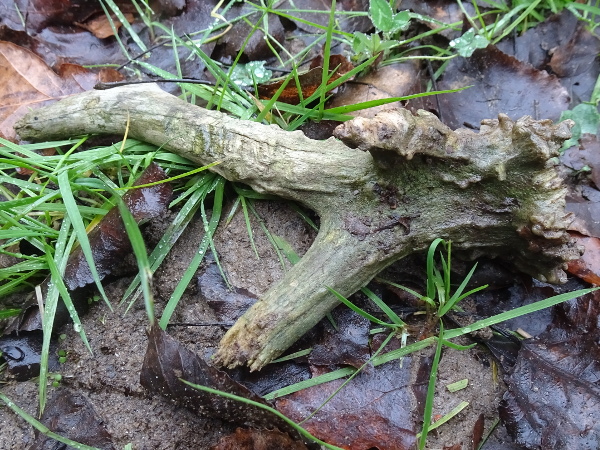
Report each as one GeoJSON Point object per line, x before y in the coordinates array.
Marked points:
{"type": "Point", "coordinates": [109, 378]}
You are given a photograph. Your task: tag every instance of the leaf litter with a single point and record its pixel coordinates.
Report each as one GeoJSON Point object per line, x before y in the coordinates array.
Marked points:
{"type": "Point", "coordinates": [34, 84]}
{"type": "Point", "coordinates": [553, 397]}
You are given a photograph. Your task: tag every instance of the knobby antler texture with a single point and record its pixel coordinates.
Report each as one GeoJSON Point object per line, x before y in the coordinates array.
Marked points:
{"type": "Point", "coordinates": [399, 181]}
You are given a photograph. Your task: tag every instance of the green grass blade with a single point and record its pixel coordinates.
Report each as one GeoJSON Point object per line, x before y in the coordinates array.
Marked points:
{"type": "Point", "coordinates": [384, 101]}
{"type": "Point", "coordinates": [431, 390]}
{"type": "Point", "coordinates": [291, 356]}
{"type": "Point", "coordinates": [247, 401]}
{"type": "Point", "coordinates": [57, 261]}
{"type": "Point", "coordinates": [360, 311]}
{"type": "Point", "coordinates": [41, 427]}
{"type": "Point", "coordinates": [248, 225]}
{"type": "Point", "coordinates": [347, 371]}
{"type": "Point", "coordinates": [268, 234]}
{"type": "Point", "coordinates": [171, 235]}
{"type": "Point", "coordinates": [350, 378]}
{"type": "Point", "coordinates": [79, 228]}
{"type": "Point", "coordinates": [57, 270]}
{"type": "Point", "coordinates": [326, 52]}
{"type": "Point", "coordinates": [517, 312]}
{"type": "Point", "coordinates": [409, 290]}
{"type": "Point", "coordinates": [141, 256]}
{"type": "Point", "coordinates": [125, 23]}
{"type": "Point", "coordinates": [209, 229]}
{"type": "Point", "coordinates": [457, 409]}
{"type": "Point", "coordinates": [431, 284]}
{"type": "Point", "coordinates": [383, 306]}
{"type": "Point", "coordinates": [6, 313]}
{"type": "Point", "coordinates": [287, 249]}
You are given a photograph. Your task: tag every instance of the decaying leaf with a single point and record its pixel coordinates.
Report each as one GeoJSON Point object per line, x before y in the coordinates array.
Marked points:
{"type": "Point", "coordinates": [109, 240]}
{"type": "Point", "coordinates": [565, 47]}
{"type": "Point", "coordinates": [444, 12]}
{"type": "Point", "coordinates": [395, 80]}
{"type": "Point", "coordinates": [553, 397]}
{"type": "Point", "coordinates": [588, 266]}
{"type": "Point", "coordinates": [22, 355]}
{"type": "Point", "coordinates": [100, 26]}
{"type": "Point", "coordinates": [244, 439]}
{"type": "Point", "coordinates": [307, 12]}
{"type": "Point", "coordinates": [167, 362]}
{"type": "Point", "coordinates": [380, 408]}
{"type": "Point", "coordinates": [72, 415]}
{"type": "Point", "coordinates": [309, 82]}
{"type": "Point", "coordinates": [585, 156]}
{"type": "Point", "coordinates": [30, 83]}
{"type": "Point", "coordinates": [348, 345]}
{"type": "Point", "coordinates": [500, 84]}
{"type": "Point", "coordinates": [228, 304]}
{"type": "Point", "coordinates": [33, 16]}
{"type": "Point", "coordinates": [255, 46]}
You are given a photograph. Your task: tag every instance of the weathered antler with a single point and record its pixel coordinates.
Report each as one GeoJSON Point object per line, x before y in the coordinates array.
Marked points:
{"type": "Point", "coordinates": [494, 192]}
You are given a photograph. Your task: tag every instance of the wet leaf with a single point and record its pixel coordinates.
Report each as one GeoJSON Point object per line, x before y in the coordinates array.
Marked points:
{"type": "Point", "coordinates": [500, 84]}
{"type": "Point", "coordinates": [256, 47]}
{"type": "Point", "coordinates": [197, 16]}
{"type": "Point", "coordinates": [77, 46]}
{"type": "Point", "coordinates": [228, 304]}
{"type": "Point", "coordinates": [348, 345]}
{"type": "Point", "coordinates": [109, 243]}
{"type": "Point", "coordinates": [521, 292]}
{"type": "Point", "coordinates": [22, 355]}
{"type": "Point", "coordinates": [443, 12]}
{"type": "Point", "coordinates": [562, 45]}
{"type": "Point", "coordinates": [380, 408]}
{"type": "Point", "coordinates": [588, 266]}
{"type": "Point", "coordinates": [309, 81]}
{"type": "Point", "coordinates": [109, 240]}
{"type": "Point", "coordinates": [32, 84]}
{"type": "Point", "coordinates": [72, 416]}
{"type": "Point", "coordinates": [305, 11]}
{"type": "Point", "coordinates": [257, 440]}
{"type": "Point", "coordinates": [586, 155]}
{"type": "Point", "coordinates": [35, 15]}
{"type": "Point", "coordinates": [478, 429]}
{"type": "Point", "coordinates": [167, 362]}
{"type": "Point", "coordinates": [553, 397]}
{"type": "Point", "coordinates": [101, 27]}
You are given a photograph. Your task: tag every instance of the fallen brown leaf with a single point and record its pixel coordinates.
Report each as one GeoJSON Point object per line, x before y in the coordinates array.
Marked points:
{"type": "Point", "coordinates": [100, 26]}
{"type": "Point", "coordinates": [553, 397]}
{"type": "Point", "coordinates": [309, 82]}
{"type": "Point", "coordinates": [30, 84]}
{"type": "Point", "coordinates": [258, 440]}
{"type": "Point", "coordinates": [499, 84]}
{"type": "Point", "coordinates": [588, 266]}
{"type": "Point", "coordinates": [73, 416]}
{"type": "Point", "coordinates": [381, 408]}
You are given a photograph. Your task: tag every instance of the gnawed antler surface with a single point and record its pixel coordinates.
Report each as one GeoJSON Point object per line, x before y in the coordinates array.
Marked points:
{"type": "Point", "coordinates": [397, 183]}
